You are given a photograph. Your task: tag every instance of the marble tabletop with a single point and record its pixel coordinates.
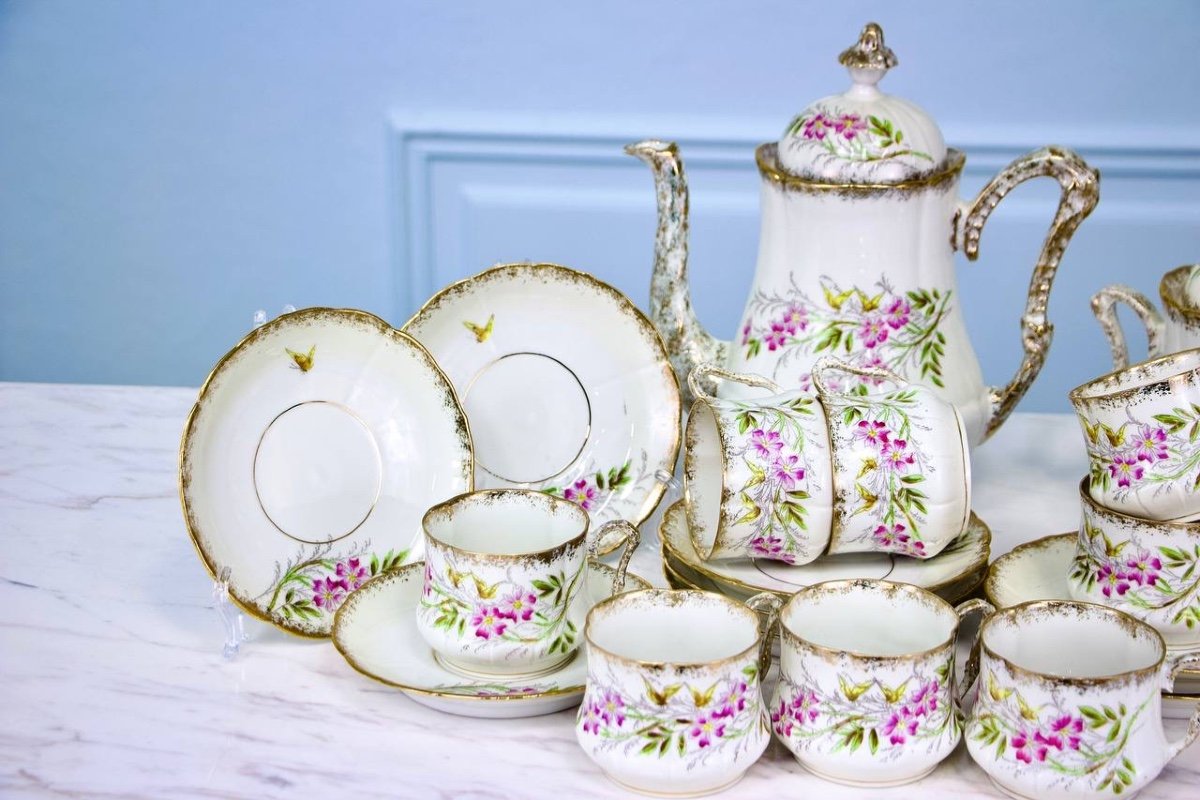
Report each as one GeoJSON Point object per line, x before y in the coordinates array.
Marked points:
{"type": "Point", "coordinates": [113, 682]}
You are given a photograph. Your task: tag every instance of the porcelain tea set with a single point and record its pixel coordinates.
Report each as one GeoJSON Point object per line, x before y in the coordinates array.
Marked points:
{"type": "Point", "coordinates": [436, 498]}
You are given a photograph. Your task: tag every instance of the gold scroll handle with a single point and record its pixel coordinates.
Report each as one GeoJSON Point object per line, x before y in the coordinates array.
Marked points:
{"type": "Point", "coordinates": [1080, 192]}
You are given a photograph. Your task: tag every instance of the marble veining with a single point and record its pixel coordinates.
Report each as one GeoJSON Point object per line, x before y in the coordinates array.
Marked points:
{"type": "Point", "coordinates": [114, 685]}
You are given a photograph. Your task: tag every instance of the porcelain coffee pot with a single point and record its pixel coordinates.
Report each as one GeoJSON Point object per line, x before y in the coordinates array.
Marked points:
{"type": "Point", "coordinates": [860, 222]}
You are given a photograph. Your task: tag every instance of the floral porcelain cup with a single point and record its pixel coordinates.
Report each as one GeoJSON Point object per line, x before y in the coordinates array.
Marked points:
{"type": "Point", "coordinates": [1180, 330]}
{"type": "Point", "coordinates": [1070, 702]}
{"type": "Point", "coordinates": [1141, 426]}
{"type": "Point", "coordinates": [901, 466]}
{"type": "Point", "coordinates": [504, 581]}
{"type": "Point", "coordinates": [866, 694]}
{"type": "Point", "coordinates": [1150, 570]}
{"type": "Point", "coordinates": [668, 709]}
{"type": "Point", "coordinates": [756, 472]}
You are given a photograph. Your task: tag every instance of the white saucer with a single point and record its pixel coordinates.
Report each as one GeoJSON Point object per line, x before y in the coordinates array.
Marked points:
{"type": "Point", "coordinates": [376, 631]}
{"type": "Point", "coordinates": [952, 574]}
{"type": "Point", "coordinates": [315, 447]}
{"type": "Point", "coordinates": [566, 384]}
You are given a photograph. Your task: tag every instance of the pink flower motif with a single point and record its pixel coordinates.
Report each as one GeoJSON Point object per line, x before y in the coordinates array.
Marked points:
{"type": "Point", "coordinates": [771, 546]}
{"type": "Point", "coordinates": [590, 714]}
{"type": "Point", "coordinates": [874, 433]}
{"type": "Point", "coordinates": [896, 455]}
{"type": "Point", "coordinates": [707, 727]}
{"type": "Point", "coordinates": [1113, 580]}
{"type": "Point", "coordinates": [1049, 740]}
{"type": "Point", "coordinates": [849, 125]}
{"type": "Point", "coordinates": [788, 471]}
{"type": "Point", "coordinates": [1150, 444]}
{"type": "Point", "coordinates": [766, 444]}
{"type": "Point", "coordinates": [746, 333]}
{"type": "Point", "coordinates": [1126, 469]}
{"type": "Point", "coordinates": [900, 725]}
{"type": "Point", "coordinates": [874, 361]}
{"type": "Point", "coordinates": [612, 709]}
{"type": "Point", "coordinates": [1067, 728]}
{"type": "Point", "coordinates": [806, 707]}
{"type": "Point", "coordinates": [874, 331]}
{"type": "Point", "coordinates": [925, 699]}
{"type": "Point", "coordinates": [582, 494]}
{"type": "Point", "coordinates": [329, 593]}
{"type": "Point", "coordinates": [518, 605]}
{"type": "Point", "coordinates": [488, 622]}
{"type": "Point", "coordinates": [777, 337]}
{"type": "Point", "coordinates": [898, 313]}
{"type": "Point", "coordinates": [1143, 568]}
{"type": "Point", "coordinates": [352, 573]}
{"type": "Point", "coordinates": [734, 701]}
{"type": "Point", "coordinates": [1025, 748]}
{"type": "Point", "coordinates": [781, 720]}
{"type": "Point", "coordinates": [895, 539]}
{"type": "Point", "coordinates": [817, 127]}
{"type": "Point", "coordinates": [428, 587]}
{"type": "Point", "coordinates": [795, 319]}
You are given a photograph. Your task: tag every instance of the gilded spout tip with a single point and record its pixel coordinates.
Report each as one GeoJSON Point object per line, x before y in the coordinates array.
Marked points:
{"type": "Point", "coordinates": [651, 149]}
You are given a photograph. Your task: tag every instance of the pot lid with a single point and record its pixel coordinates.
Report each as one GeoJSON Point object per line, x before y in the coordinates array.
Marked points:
{"type": "Point", "coordinates": [863, 135]}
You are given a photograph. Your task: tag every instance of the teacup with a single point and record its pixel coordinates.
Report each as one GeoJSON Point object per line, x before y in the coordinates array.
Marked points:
{"type": "Point", "coordinates": [673, 704]}
{"type": "Point", "coordinates": [1180, 293]}
{"type": "Point", "coordinates": [1141, 426]}
{"type": "Point", "coordinates": [1149, 570]}
{"type": "Point", "coordinates": [1070, 702]}
{"type": "Point", "coordinates": [866, 694]}
{"type": "Point", "coordinates": [901, 466]}
{"type": "Point", "coordinates": [504, 581]}
{"type": "Point", "coordinates": [756, 472]}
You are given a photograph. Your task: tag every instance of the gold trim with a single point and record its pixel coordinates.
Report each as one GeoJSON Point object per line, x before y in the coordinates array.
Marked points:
{"type": "Point", "coordinates": [841, 587]}
{"type": "Point", "coordinates": [978, 565]}
{"type": "Point", "coordinates": [655, 494]}
{"type": "Point", "coordinates": [1124, 620]}
{"type": "Point", "coordinates": [673, 597]}
{"type": "Point", "coordinates": [1082, 394]}
{"type": "Point", "coordinates": [401, 574]}
{"type": "Point", "coordinates": [993, 573]}
{"type": "Point", "coordinates": [464, 430]}
{"type": "Point", "coordinates": [447, 508]}
{"type": "Point", "coordinates": [1190, 530]}
{"type": "Point", "coordinates": [766, 155]}
{"type": "Point", "coordinates": [1170, 298]}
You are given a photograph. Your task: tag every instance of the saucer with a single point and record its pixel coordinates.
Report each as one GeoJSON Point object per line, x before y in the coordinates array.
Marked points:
{"type": "Point", "coordinates": [566, 384]}
{"type": "Point", "coordinates": [376, 631]}
{"type": "Point", "coordinates": [952, 574]}
{"type": "Point", "coordinates": [313, 450]}
{"type": "Point", "coordinates": [1038, 570]}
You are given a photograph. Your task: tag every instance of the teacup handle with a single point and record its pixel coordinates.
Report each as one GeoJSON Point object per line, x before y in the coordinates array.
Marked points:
{"type": "Point", "coordinates": [630, 537]}
{"type": "Point", "coordinates": [1104, 308]}
{"type": "Point", "coordinates": [1175, 664]}
{"type": "Point", "coordinates": [971, 668]}
{"type": "Point", "coordinates": [769, 604]}
{"type": "Point", "coordinates": [827, 364]}
{"type": "Point", "coordinates": [712, 371]}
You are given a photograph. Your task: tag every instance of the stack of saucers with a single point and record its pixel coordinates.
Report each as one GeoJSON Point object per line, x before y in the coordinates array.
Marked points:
{"type": "Point", "coordinates": [784, 489]}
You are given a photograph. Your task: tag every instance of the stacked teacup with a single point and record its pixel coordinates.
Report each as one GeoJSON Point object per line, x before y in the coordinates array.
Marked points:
{"type": "Point", "coordinates": [791, 476]}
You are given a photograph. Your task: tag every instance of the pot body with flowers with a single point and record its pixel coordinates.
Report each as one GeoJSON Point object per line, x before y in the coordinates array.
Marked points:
{"type": "Point", "coordinates": [862, 700]}
{"type": "Point", "coordinates": [673, 704]}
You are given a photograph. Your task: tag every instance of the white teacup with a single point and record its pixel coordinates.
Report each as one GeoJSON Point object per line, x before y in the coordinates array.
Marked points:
{"type": "Point", "coordinates": [504, 581]}
{"type": "Point", "coordinates": [672, 705]}
{"type": "Point", "coordinates": [1070, 702]}
{"type": "Point", "coordinates": [1149, 570]}
{"type": "Point", "coordinates": [1180, 330]}
{"type": "Point", "coordinates": [757, 472]}
{"type": "Point", "coordinates": [866, 694]}
{"type": "Point", "coordinates": [901, 465]}
{"type": "Point", "coordinates": [1140, 428]}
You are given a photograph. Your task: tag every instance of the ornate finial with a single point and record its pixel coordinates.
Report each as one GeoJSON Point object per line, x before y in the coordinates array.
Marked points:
{"type": "Point", "coordinates": [870, 52]}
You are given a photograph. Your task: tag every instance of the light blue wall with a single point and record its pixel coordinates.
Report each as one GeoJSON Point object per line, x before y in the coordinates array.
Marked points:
{"type": "Point", "coordinates": [167, 168]}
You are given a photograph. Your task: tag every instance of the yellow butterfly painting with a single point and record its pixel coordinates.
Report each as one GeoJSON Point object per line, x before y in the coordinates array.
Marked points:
{"type": "Point", "coordinates": [303, 360]}
{"type": "Point", "coordinates": [482, 332]}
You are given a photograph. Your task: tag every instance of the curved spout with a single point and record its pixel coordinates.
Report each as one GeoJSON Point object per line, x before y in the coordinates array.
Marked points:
{"type": "Point", "coordinates": [688, 344]}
